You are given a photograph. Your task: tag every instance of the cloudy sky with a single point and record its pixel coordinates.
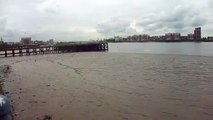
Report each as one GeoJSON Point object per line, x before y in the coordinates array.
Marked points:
{"type": "Point", "coordinates": [81, 20]}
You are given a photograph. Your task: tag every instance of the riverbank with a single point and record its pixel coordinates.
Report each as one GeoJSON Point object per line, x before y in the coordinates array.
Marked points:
{"type": "Point", "coordinates": [1, 84]}
{"type": "Point", "coordinates": [4, 70]}
{"type": "Point", "coordinates": [1, 89]}
{"type": "Point", "coordinates": [104, 86]}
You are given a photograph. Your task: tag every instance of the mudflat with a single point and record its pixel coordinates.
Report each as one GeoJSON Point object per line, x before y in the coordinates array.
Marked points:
{"type": "Point", "coordinates": [110, 86]}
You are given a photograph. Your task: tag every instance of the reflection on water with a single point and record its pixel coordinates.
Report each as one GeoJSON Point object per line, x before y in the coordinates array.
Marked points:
{"type": "Point", "coordinates": [183, 48]}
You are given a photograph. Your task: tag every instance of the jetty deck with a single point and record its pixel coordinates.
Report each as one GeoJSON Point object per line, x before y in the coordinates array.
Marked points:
{"type": "Point", "coordinates": [60, 48]}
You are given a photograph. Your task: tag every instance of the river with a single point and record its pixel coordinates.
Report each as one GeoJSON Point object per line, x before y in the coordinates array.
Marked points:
{"type": "Point", "coordinates": [179, 48]}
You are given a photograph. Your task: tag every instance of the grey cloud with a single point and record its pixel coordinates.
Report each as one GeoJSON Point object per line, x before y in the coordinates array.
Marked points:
{"type": "Point", "coordinates": [75, 35]}
{"type": "Point", "coordinates": [176, 15]}
{"type": "Point", "coordinates": [210, 3]}
{"type": "Point", "coordinates": [15, 35]}
{"type": "Point", "coordinates": [49, 6]}
{"type": "Point", "coordinates": [116, 27]}
{"type": "Point", "coordinates": [3, 21]}
{"type": "Point", "coordinates": [8, 35]}
{"type": "Point", "coordinates": [146, 21]}
{"type": "Point", "coordinates": [50, 10]}
{"type": "Point", "coordinates": [177, 20]}
{"type": "Point", "coordinates": [11, 35]}
{"type": "Point", "coordinates": [198, 21]}
{"type": "Point", "coordinates": [151, 27]}
{"type": "Point", "coordinates": [39, 16]}
{"type": "Point", "coordinates": [177, 25]}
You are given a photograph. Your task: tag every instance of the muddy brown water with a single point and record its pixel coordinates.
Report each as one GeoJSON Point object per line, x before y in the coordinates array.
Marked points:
{"type": "Point", "coordinates": [110, 86]}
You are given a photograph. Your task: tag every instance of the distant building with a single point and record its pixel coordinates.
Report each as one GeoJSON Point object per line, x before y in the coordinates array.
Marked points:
{"type": "Point", "coordinates": [168, 36]}
{"type": "Point", "coordinates": [190, 37]}
{"type": "Point", "coordinates": [135, 38]}
{"type": "Point", "coordinates": [129, 38]}
{"type": "Point", "coordinates": [10, 43]}
{"type": "Point", "coordinates": [173, 36]}
{"type": "Point", "coordinates": [26, 40]}
{"type": "Point", "coordinates": [50, 42]}
{"type": "Point", "coordinates": [177, 36]}
{"type": "Point", "coordinates": [118, 38]}
{"type": "Point", "coordinates": [197, 33]}
{"type": "Point", "coordinates": [162, 37]}
{"type": "Point", "coordinates": [144, 37]}
{"type": "Point", "coordinates": [154, 38]}
{"type": "Point", "coordinates": [38, 42]}
{"type": "Point", "coordinates": [184, 37]}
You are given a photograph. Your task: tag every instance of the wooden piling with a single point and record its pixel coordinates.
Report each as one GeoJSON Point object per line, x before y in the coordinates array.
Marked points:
{"type": "Point", "coordinates": [5, 53]}
{"type": "Point", "coordinates": [13, 53]}
{"type": "Point", "coordinates": [27, 51]}
{"type": "Point", "coordinates": [20, 52]}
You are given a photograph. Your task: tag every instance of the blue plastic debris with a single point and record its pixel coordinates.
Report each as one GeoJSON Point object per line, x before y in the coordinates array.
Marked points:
{"type": "Point", "coordinates": [4, 107]}
{"type": "Point", "coordinates": [6, 117]}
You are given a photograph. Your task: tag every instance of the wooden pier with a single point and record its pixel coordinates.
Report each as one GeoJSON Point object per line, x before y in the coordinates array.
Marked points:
{"type": "Point", "coordinates": [35, 50]}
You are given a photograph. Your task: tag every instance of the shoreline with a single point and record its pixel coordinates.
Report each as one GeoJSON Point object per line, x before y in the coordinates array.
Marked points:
{"type": "Point", "coordinates": [4, 70]}
{"type": "Point", "coordinates": [1, 89]}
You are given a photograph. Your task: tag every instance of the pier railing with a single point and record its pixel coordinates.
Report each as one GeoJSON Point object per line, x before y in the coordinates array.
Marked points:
{"type": "Point", "coordinates": [64, 48]}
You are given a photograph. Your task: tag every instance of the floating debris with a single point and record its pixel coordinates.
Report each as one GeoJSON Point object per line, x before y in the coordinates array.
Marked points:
{"type": "Point", "coordinates": [5, 110]}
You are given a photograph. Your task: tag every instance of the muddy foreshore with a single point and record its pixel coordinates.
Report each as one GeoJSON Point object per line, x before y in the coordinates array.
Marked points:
{"type": "Point", "coordinates": [4, 71]}
{"type": "Point", "coordinates": [110, 86]}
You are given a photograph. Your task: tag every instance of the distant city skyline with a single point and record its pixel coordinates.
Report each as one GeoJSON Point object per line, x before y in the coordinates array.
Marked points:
{"type": "Point", "coordinates": [82, 20]}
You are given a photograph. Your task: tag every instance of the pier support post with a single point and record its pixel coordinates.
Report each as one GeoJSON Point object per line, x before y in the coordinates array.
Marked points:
{"type": "Point", "coordinates": [106, 46]}
{"type": "Point", "coordinates": [5, 53]}
{"type": "Point", "coordinates": [27, 51]}
{"type": "Point", "coordinates": [13, 52]}
{"type": "Point", "coordinates": [20, 52]}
